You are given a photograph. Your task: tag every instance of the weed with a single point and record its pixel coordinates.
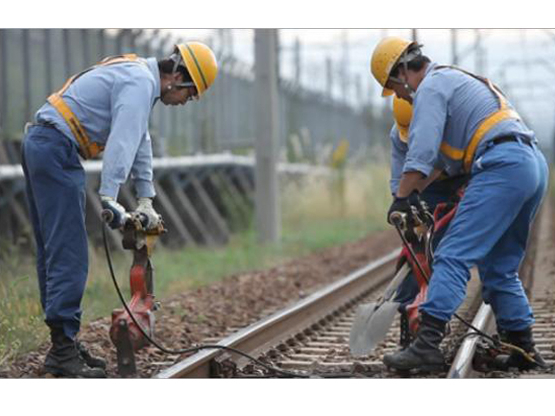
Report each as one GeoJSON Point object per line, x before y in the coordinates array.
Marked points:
{"type": "Point", "coordinates": [312, 219]}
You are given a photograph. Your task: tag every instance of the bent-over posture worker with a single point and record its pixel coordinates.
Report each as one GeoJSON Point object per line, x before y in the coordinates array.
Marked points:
{"type": "Point", "coordinates": [104, 108]}
{"type": "Point", "coordinates": [439, 188]}
{"type": "Point", "coordinates": [466, 123]}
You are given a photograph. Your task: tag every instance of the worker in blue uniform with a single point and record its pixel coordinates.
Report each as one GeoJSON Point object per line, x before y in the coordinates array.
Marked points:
{"type": "Point", "coordinates": [439, 188]}
{"type": "Point", "coordinates": [465, 123]}
{"type": "Point", "coordinates": [104, 108]}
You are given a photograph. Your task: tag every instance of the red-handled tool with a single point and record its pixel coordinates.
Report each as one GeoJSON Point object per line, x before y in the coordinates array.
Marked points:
{"type": "Point", "coordinates": [124, 333]}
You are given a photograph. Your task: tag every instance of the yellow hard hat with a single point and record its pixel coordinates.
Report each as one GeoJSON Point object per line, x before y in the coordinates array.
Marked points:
{"type": "Point", "coordinates": [402, 113]}
{"type": "Point", "coordinates": [384, 58]}
{"type": "Point", "coordinates": [200, 63]}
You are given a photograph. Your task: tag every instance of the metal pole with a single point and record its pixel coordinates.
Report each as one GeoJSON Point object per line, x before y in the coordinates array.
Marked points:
{"type": "Point", "coordinates": [147, 43]}
{"type": "Point", "coordinates": [67, 60]}
{"type": "Point", "coordinates": [125, 39]}
{"type": "Point", "coordinates": [415, 35]}
{"type": "Point", "coordinates": [345, 67]}
{"type": "Point", "coordinates": [101, 44]}
{"type": "Point", "coordinates": [454, 53]}
{"type": "Point", "coordinates": [26, 75]}
{"type": "Point", "coordinates": [479, 53]}
{"type": "Point", "coordinates": [86, 48]}
{"type": "Point", "coordinates": [3, 82]}
{"type": "Point", "coordinates": [135, 33]}
{"type": "Point", "coordinates": [526, 60]}
{"type": "Point", "coordinates": [267, 213]}
{"type": "Point", "coordinates": [163, 112]}
{"type": "Point", "coordinates": [48, 60]}
{"type": "Point", "coordinates": [119, 41]}
{"type": "Point", "coordinates": [230, 42]}
{"type": "Point", "coordinates": [297, 61]}
{"type": "Point", "coordinates": [358, 88]}
{"type": "Point", "coordinates": [329, 78]}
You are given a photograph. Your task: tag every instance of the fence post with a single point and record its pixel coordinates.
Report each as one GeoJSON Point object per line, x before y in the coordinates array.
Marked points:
{"type": "Point", "coordinates": [101, 43]}
{"type": "Point", "coordinates": [26, 75]}
{"type": "Point", "coordinates": [86, 48]}
{"type": "Point", "coordinates": [3, 92]}
{"type": "Point", "coordinates": [119, 41]}
{"type": "Point", "coordinates": [163, 112]}
{"type": "Point", "coordinates": [67, 59]}
{"type": "Point", "coordinates": [267, 135]}
{"type": "Point", "coordinates": [48, 60]}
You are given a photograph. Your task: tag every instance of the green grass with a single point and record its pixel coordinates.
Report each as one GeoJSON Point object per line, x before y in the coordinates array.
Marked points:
{"type": "Point", "coordinates": [20, 311]}
{"type": "Point", "coordinates": [313, 218]}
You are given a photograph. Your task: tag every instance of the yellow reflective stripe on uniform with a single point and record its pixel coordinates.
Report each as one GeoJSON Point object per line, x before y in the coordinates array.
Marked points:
{"type": "Point", "coordinates": [467, 155]}
{"type": "Point", "coordinates": [452, 152]}
{"type": "Point", "coordinates": [87, 148]}
{"type": "Point", "coordinates": [485, 126]}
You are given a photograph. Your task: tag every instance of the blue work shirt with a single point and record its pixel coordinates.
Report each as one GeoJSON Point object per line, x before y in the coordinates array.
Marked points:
{"type": "Point", "coordinates": [399, 151]}
{"type": "Point", "coordinates": [113, 104]}
{"type": "Point", "coordinates": [449, 106]}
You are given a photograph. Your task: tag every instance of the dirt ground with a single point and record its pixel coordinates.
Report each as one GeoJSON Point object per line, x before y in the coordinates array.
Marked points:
{"type": "Point", "coordinates": [216, 310]}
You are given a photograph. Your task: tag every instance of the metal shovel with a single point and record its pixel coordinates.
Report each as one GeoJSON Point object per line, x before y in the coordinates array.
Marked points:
{"type": "Point", "coordinates": [373, 320]}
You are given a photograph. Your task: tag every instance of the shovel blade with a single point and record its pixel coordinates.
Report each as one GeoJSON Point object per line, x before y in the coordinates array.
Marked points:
{"type": "Point", "coordinates": [371, 325]}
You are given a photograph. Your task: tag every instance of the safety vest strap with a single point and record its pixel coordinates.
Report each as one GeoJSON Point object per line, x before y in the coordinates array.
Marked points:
{"type": "Point", "coordinates": [481, 131]}
{"type": "Point", "coordinates": [87, 149]}
{"type": "Point", "coordinates": [74, 125]}
{"type": "Point", "coordinates": [504, 113]}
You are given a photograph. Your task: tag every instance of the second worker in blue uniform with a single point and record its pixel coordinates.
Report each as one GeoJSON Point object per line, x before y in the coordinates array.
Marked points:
{"type": "Point", "coordinates": [464, 123]}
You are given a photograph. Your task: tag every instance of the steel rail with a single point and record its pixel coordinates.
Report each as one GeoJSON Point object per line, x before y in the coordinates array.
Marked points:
{"type": "Point", "coordinates": [484, 319]}
{"type": "Point", "coordinates": [281, 325]}
{"type": "Point", "coordinates": [462, 364]}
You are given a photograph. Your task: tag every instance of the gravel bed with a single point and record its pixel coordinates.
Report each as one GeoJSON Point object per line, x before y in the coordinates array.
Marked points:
{"type": "Point", "coordinates": [213, 311]}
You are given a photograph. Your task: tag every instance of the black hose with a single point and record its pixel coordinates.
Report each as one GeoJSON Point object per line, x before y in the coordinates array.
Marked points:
{"type": "Point", "coordinates": [497, 343]}
{"type": "Point", "coordinates": [191, 349]}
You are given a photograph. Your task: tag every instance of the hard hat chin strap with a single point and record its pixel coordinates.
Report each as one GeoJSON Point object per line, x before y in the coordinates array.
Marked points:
{"type": "Point", "coordinates": [405, 58]}
{"type": "Point", "coordinates": [404, 82]}
{"type": "Point", "coordinates": [176, 58]}
{"type": "Point", "coordinates": [178, 61]}
{"type": "Point", "coordinates": [407, 86]}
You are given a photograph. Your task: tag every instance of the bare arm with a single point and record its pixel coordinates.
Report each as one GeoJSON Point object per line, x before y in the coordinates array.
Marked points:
{"type": "Point", "coordinates": [416, 180]}
{"type": "Point", "coordinates": [433, 176]}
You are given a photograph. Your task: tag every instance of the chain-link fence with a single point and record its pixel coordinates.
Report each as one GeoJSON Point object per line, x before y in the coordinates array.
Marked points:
{"type": "Point", "coordinates": [35, 62]}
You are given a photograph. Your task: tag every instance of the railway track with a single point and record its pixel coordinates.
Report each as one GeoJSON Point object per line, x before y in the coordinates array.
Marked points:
{"type": "Point", "coordinates": [311, 338]}
{"type": "Point", "coordinates": [538, 276]}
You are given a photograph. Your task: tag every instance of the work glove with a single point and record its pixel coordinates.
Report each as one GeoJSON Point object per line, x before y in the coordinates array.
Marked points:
{"type": "Point", "coordinates": [404, 204]}
{"type": "Point", "coordinates": [113, 213]}
{"type": "Point", "coordinates": [145, 207]}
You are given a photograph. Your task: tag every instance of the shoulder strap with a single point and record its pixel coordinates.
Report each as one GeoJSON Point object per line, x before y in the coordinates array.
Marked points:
{"type": "Point", "coordinates": [110, 60]}
{"type": "Point", "coordinates": [87, 148]}
{"type": "Point", "coordinates": [504, 113]}
{"type": "Point", "coordinates": [494, 88]}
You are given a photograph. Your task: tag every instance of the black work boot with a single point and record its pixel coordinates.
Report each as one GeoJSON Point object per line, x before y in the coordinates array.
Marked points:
{"type": "Point", "coordinates": [522, 339]}
{"type": "Point", "coordinates": [405, 336]}
{"type": "Point", "coordinates": [64, 360]}
{"type": "Point", "coordinates": [93, 362]}
{"type": "Point", "coordinates": [424, 353]}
